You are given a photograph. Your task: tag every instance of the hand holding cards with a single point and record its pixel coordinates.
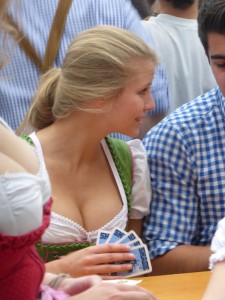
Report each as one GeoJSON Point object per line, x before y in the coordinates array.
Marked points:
{"type": "Point", "coordinates": [141, 265]}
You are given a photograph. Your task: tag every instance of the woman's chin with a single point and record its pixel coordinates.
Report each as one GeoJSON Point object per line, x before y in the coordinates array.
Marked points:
{"type": "Point", "coordinates": [132, 134]}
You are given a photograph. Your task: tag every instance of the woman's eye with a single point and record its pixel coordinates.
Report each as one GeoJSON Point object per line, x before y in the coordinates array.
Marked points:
{"type": "Point", "coordinates": [143, 91]}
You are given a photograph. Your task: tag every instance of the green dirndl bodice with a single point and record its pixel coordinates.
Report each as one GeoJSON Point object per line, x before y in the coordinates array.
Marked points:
{"type": "Point", "coordinates": [122, 158]}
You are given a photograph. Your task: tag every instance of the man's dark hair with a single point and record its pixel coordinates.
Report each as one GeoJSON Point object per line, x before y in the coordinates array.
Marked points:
{"type": "Point", "coordinates": [181, 4]}
{"type": "Point", "coordinates": [143, 8]}
{"type": "Point", "coordinates": [211, 18]}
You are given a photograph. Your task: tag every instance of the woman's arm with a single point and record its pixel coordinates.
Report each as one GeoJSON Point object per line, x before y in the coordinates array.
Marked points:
{"type": "Point", "coordinates": [216, 286]}
{"type": "Point", "coordinates": [92, 287]}
{"type": "Point", "coordinates": [141, 190]}
{"type": "Point", "coordinates": [96, 259]}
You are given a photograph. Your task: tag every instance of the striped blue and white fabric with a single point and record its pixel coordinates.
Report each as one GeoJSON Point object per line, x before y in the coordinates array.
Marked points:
{"type": "Point", "coordinates": [186, 153]}
{"type": "Point", "coordinates": [19, 78]}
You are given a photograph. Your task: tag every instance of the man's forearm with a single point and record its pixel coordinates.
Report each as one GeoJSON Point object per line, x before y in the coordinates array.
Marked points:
{"type": "Point", "coordinates": [182, 259]}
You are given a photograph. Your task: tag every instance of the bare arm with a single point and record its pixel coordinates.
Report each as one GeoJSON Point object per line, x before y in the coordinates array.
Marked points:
{"type": "Point", "coordinates": [182, 259]}
{"type": "Point", "coordinates": [93, 260]}
{"type": "Point", "coordinates": [216, 287]}
{"type": "Point", "coordinates": [92, 287]}
{"type": "Point", "coordinates": [107, 291]}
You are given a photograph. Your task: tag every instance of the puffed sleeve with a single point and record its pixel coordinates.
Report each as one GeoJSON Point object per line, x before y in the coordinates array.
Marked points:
{"type": "Point", "coordinates": [141, 191]}
{"type": "Point", "coordinates": [218, 244]}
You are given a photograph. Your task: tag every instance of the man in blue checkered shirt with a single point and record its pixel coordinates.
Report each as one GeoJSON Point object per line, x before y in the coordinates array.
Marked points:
{"type": "Point", "coordinates": [186, 154]}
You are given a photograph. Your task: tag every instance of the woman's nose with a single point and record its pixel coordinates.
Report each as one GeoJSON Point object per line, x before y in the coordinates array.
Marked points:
{"type": "Point", "coordinates": [149, 103]}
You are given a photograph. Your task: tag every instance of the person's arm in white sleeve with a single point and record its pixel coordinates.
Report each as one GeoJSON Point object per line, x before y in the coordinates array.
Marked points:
{"type": "Point", "coordinates": [216, 287]}
{"type": "Point", "coordinates": [141, 190]}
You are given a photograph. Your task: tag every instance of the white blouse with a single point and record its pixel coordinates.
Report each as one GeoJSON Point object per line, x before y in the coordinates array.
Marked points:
{"type": "Point", "coordinates": [64, 230]}
{"type": "Point", "coordinates": [218, 244]}
{"type": "Point", "coordinates": [22, 196]}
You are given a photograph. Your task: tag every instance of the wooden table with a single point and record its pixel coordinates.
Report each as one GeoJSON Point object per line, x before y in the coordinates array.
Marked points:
{"type": "Point", "coordinates": [187, 286]}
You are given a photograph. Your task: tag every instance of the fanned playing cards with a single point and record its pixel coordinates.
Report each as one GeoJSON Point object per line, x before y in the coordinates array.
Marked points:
{"type": "Point", "coordinates": [142, 264]}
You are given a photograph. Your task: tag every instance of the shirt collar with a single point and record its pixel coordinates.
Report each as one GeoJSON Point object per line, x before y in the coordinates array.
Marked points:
{"type": "Point", "coordinates": [221, 100]}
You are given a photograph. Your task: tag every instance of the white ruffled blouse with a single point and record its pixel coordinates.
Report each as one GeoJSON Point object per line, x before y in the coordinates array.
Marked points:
{"type": "Point", "coordinates": [64, 230]}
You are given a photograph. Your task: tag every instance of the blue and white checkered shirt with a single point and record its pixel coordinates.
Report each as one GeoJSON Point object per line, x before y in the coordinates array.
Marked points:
{"type": "Point", "coordinates": [186, 153]}
{"type": "Point", "coordinates": [19, 78]}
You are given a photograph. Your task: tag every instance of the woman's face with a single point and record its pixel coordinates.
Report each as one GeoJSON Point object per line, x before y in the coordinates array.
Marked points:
{"type": "Point", "coordinates": [130, 106]}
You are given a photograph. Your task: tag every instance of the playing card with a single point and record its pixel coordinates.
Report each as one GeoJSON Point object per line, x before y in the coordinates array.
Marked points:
{"type": "Point", "coordinates": [141, 265]}
{"type": "Point", "coordinates": [102, 237]}
{"type": "Point", "coordinates": [135, 243]}
{"type": "Point", "coordinates": [116, 235]}
{"type": "Point", "coordinates": [124, 281]}
{"type": "Point", "coordinates": [128, 238]}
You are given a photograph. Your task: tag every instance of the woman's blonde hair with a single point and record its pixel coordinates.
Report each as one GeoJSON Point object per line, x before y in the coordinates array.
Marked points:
{"type": "Point", "coordinates": [98, 64]}
{"type": "Point", "coordinates": [5, 28]}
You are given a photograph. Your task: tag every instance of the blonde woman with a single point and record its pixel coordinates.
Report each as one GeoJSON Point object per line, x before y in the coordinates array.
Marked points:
{"type": "Point", "coordinates": [102, 87]}
{"type": "Point", "coordinates": [24, 215]}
